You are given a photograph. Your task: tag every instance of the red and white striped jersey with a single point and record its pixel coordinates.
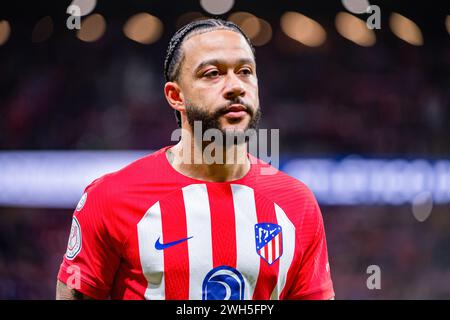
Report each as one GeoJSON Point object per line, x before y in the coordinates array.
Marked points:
{"type": "Point", "coordinates": [149, 232]}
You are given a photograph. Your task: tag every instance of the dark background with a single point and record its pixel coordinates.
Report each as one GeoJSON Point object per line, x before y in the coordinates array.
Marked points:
{"type": "Point", "coordinates": [388, 100]}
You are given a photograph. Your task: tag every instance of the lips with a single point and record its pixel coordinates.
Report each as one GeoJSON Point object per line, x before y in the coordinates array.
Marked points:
{"type": "Point", "coordinates": [236, 108]}
{"type": "Point", "coordinates": [235, 112]}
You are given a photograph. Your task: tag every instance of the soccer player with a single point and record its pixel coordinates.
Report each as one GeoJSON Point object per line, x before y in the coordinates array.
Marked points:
{"type": "Point", "coordinates": [174, 225]}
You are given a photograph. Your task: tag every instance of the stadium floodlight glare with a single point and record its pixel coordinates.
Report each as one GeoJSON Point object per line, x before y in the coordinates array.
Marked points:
{"type": "Point", "coordinates": [303, 29]}
{"type": "Point", "coordinates": [258, 30]}
{"type": "Point", "coordinates": [239, 17]}
{"type": "Point", "coordinates": [372, 181]}
{"type": "Point", "coordinates": [447, 23]}
{"type": "Point", "coordinates": [356, 6]}
{"type": "Point", "coordinates": [405, 29]}
{"type": "Point", "coordinates": [143, 28]}
{"type": "Point", "coordinates": [217, 7]}
{"type": "Point", "coordinates": [264, 35]}
{"type": "Point", "coordinates": [86, 6]}
{"type": "Point", "coordinates": [56, 179]}
{"type": "Point", "coordinates": [251, 26]}
{"type": "Point", "coordinates": [5, 31]}
{"type": "Point", "coordinates": [354, 29]}
{"type": "Point", "coordinates": [92, 28]}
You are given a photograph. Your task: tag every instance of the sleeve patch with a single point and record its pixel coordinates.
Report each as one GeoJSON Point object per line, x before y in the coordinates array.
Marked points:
{"type": "Point", "coordinates": [82, 201]}
{"type": "Point", "coordinates": [74, 244]}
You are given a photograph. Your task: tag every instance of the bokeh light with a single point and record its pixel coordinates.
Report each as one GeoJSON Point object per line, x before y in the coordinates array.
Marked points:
{"type": "Point", "coordinates": [240, 16]}
{"type": "Point", "coordinates": [422, 204]}
{"type": "Point", "coordinates": [5, 31]}
{"type": "Point", "coordinates": [86, 6]}
{"type": "Point", "coordinates": [303, 29]}
{"type": "Point", "coordinates": [143, 28]}
{"type": "Point", "coordinates": [264, 35]}
{"type": "Point", "coordinates": [92, 28]}
{"type": "Point", "coordinates": [405, 29]}
{"type": "Point", "coordinates": [42, 30]}
{"type": "Point", "coordinates": [251, 26]}
{"type": "Point", "coordinates": [447, 24]}
{"type": "Point", "coordinates": [188, 17]}
{"type": "Point", "coordinates": [354, 29]}
{"type": "Point", "coordinates": [356, 6]}
{"type": "Point", "coordinates": [217, 6]}
{"type": "Point", "coordinates": [258, 30]}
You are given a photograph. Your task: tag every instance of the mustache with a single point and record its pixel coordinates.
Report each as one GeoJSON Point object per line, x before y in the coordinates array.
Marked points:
{"type": "Point", "coordinates": [225, 108]}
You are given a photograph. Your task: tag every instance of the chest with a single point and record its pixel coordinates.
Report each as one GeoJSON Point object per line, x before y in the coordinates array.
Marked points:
{"type": "Point", "coordinates": [205, 243]}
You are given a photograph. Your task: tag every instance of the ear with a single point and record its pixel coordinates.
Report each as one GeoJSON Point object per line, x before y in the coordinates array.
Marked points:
{"type": "Point", "coordinates": [174, 96]}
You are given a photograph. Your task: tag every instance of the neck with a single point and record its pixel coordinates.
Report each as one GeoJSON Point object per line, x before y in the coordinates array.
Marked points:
{"type": "Point", "coordinates": [209, 162]}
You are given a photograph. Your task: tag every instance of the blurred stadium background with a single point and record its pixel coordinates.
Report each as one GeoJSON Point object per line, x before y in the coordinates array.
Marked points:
{"type": "Point", "coordinates": [363, 117]}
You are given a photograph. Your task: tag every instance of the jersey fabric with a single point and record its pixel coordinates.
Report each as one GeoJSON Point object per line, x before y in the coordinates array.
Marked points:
{"type": "Point", "coordinates": [149, 232]}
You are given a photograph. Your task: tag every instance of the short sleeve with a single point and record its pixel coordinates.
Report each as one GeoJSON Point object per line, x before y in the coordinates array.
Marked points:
{"type": "Point", "coordinates": [92, 258]}
{"type": "Point", "coordinates": [313, 279]}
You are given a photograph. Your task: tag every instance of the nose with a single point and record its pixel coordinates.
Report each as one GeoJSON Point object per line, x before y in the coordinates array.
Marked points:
{"type": "Point", "coordinates": [234, 87]}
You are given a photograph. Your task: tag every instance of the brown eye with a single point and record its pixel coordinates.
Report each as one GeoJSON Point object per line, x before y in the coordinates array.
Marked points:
{"type": "Point", "coordinates": [245, 71]}
{"type": "Point", "coordinates": [211, 74]}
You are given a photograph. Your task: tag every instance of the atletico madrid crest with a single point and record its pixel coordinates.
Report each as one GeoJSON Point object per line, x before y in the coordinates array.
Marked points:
{"type": "Point", "coordinates": [269, 241]}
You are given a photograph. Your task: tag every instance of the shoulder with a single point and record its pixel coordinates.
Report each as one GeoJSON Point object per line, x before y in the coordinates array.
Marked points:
{"type": "Point", "coordinates": [145, 168]}
{"type": "Point", "coordinates": [111, 204]}
{"type": "Point", "coordinates": [271, 180]}
{"type": "Point", "coordinates": [292, 195]}
{"type": "Point", "coordinates": [108, 190]}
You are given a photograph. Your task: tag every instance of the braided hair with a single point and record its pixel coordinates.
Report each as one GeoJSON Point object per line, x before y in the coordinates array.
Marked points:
{"type": "Point", "coordinates": [174, 54]}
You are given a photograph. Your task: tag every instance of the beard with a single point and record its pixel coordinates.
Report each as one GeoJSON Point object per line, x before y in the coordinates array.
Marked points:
{"type": "Point", "coordinates": [211, 120]}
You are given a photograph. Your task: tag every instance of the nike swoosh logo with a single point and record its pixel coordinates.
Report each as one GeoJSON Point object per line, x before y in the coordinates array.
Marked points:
{"type": "Point", "coordinates": [162, 246]}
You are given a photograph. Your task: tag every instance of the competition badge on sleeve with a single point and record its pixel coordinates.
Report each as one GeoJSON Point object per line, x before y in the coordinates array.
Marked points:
{"type": "Point", "coordinates": [74, 244]}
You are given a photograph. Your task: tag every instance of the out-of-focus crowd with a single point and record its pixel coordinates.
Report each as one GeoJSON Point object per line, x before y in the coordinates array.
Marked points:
{"type": "Point", "coordinates": [391, 99]}
{"type": "Point", "coordinates": [340, 98]}
{"type": "Point", "coordinates": [412, 256]}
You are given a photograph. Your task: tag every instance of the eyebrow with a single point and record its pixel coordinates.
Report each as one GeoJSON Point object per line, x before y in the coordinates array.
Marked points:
{"type": "Point", "coordinates": [217, 61]}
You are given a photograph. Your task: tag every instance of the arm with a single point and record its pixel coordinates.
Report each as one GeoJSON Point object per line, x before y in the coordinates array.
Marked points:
{"type": "Point", "coordinates": [311, 275]}
{"type": "Point", "coordinates": [92, 258]}
{"type": "Point", "coordinates": [65, 293]}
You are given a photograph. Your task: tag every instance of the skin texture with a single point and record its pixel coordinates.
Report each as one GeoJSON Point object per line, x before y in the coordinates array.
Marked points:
{"type": "Point", "coordinates": [65, 293]}
{"type": "Point", "coordinates": [211, 85]}
{"type": "Point", "coordinates": [218, 68]}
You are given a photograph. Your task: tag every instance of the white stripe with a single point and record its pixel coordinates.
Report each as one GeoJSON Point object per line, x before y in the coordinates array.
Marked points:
{"type": "Point", "coordinates": [152, 260]}
{"type": "Point", "coordinates": [247, 259]}
{"type": "Point", "coordinates": [277, 246]}
{"type": "Point", "coordinates": [269, 254]}
{"type": "Point", "coordinates": [288, 243]}
{"type": "Point", "coordinates": [198, 219]}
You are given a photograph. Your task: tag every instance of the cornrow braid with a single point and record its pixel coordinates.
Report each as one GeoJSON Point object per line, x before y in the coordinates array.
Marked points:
{"type": "Point", "coordinates": [174, 53]}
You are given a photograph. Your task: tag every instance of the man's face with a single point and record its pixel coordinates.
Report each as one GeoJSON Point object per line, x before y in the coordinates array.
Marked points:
{"type": "Point", "coordinates": [218, 81]}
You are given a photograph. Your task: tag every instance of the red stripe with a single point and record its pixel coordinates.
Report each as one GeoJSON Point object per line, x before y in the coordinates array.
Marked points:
{"type": "Point", "coordinates": [223, 226]}
{"type": "Point", "coordinates": [274, 253]}
{"type": "Point", "coordinates": [176, 258]}
{"type": "Point", "coordinates": [268, 274]}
